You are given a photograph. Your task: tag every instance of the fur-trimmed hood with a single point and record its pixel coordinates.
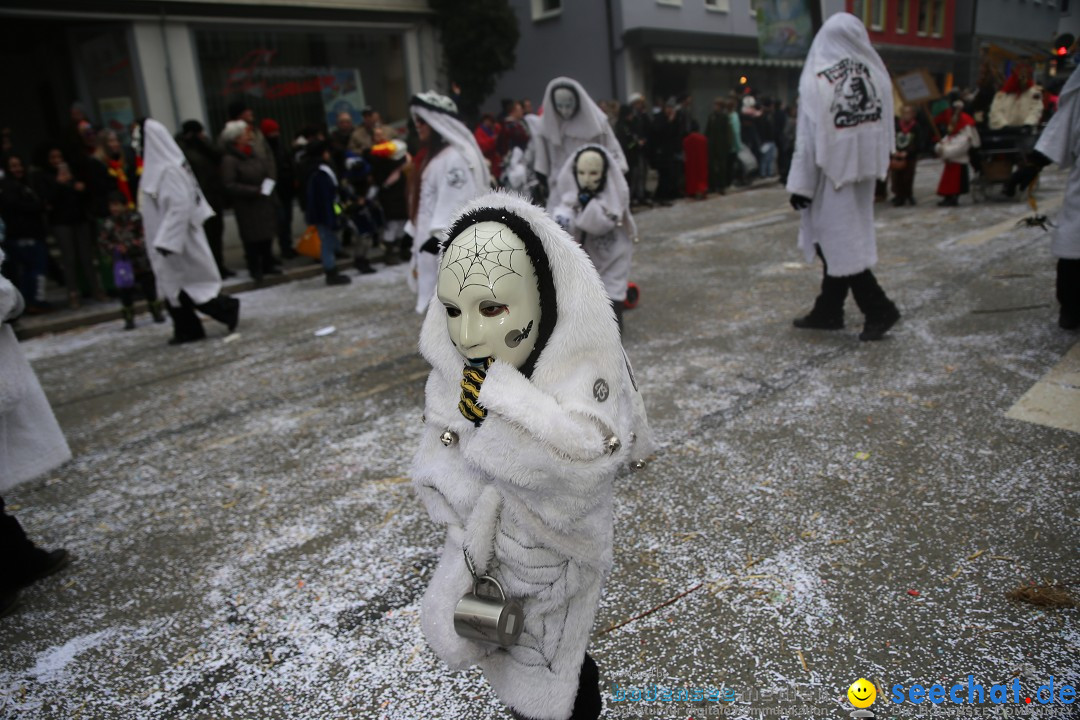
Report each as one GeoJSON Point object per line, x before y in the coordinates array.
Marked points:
{"type": "Point", "coordinates": [615, 193]}
{"type": "Point", "coordinates": [579, 359]}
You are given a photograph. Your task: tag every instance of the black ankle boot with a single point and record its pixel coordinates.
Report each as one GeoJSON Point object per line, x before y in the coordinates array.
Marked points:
{"type": "Point", "coordinates": [875, 327]}
{"type": "Point", "coordinates": [333, 277]}
{"type": "Point", "coordinates": [128, 313]}
{"type": "Point", "coordinates": [813, 321]}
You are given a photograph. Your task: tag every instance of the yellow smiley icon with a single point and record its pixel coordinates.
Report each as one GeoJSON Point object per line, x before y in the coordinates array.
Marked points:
{"type": "Point", "coordinates": [862, 693]}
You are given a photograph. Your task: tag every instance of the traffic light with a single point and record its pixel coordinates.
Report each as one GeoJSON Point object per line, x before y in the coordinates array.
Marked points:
{"type": "Point", "coordinates": [1063, 43]}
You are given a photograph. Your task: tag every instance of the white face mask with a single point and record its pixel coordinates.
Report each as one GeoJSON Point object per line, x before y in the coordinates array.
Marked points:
{"type": "Point", "coordinates": [589, 170]}
{"type": "Point", "coordinates": [565, 102]}
{"type": "Point", "coordinates": [488, 286]}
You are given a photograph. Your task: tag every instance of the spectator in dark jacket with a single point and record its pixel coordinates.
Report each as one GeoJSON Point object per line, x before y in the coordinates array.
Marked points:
{"type": "Point", "coordinates": [322, 193]}
{"type": "Point", "coordinates": [286, 185]}
{"type": "Point", "coordinates": [23, 212]}
{"type": "Point", "coordinates": [65, 201]}
{"type": "Point", "coordinates": [205, 161]}
{"type": "Point", "coordinates": [250, 188]}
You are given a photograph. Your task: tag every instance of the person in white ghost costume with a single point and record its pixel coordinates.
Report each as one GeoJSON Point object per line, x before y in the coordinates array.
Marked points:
{"type": "Point", "coordinates": [452, 173]}
{"type": "Point", "coordinates": [31, 444]}
{"type": "Point", "coordinates": [843, 139]}
{"type": "Point", "coordinates": [173, 210]}
{"type": "Point", "coordinates": [597, 211]}
{"type": "Point", "coordinates": [1060, 143]}
{"type": "Point", "coordinates": [570, 119]}
{"type": "Point", "coordinates": [531, 408]}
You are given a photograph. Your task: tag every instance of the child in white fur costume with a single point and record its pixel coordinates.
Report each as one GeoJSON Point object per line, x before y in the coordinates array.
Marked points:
{"type": "Point", "coordinates": [596, 209]}
{"type": "Point", "coordinates": [518, 458]}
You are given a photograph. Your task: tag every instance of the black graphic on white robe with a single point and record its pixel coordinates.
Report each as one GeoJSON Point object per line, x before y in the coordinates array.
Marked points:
{"type": "Point", "coordinates": [855, 99]}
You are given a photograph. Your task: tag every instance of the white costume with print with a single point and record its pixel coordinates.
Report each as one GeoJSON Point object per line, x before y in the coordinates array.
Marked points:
{"type": "Point", "coordinates": [844, 136]}
{"type": "Point", "coordinates": [31, 442]}
{"type": "Point", "coordinates": [529, 491]}
{"type": "Point", "coordinates": [1060, 142]}
{"type": "Point", "coordinates": [604, 227]}
{"type": "Point", "coordinates": [560, 139]}
{"type": "Point", "coordinates": [173, 210]}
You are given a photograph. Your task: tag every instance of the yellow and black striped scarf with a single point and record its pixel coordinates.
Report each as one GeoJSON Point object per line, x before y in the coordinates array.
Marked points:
{"type": "Point", "coordinates": [471, 380]}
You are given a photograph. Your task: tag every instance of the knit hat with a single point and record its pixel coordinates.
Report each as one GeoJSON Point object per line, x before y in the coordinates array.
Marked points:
{"type": "Point", "coordinates": [191, 127]}
{"type": "Point", "coordinates": [269, 126]}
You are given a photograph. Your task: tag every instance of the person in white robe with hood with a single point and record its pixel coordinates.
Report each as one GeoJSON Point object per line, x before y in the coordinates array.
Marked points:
{"type": "Point", "coordinates": [597, 212]}
{"type": "Point", "coordinates": [1060, 143]}
{"type": "Point", "coordinates": [570, 120]}
{"type": "Point", "coordinates": [452, 172]}
{"type": "Point", "coordinates": [173, 210]}
{"type": "Point", "coordinates": [531, 408]}
{"type": "Point", "coordinates": [31, 444]}
{"type": "Point", "coordinates": [843, 139]}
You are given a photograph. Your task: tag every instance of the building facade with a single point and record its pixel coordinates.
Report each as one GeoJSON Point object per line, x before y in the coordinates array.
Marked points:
{"type": "Point", "coordinates": [297, 62]}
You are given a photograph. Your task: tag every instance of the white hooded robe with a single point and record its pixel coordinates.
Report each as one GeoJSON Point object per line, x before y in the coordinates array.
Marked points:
{"type": "Point", "coordinates": [173, 210]}
{"type": "Point", "coordinates": [31, 442]}
{"type": "Point", "coordinates": [530, 490]}
{"type": "Point", "coordinates": [844, 135]}
{"type": "Point", "coordinates": [604, 227]}
{"type": "Point", "coordinates": [1060, 142]}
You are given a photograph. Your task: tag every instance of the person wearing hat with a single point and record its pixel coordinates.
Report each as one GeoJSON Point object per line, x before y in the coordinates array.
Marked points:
{"type": "Point", "coordinates": [954, 147]}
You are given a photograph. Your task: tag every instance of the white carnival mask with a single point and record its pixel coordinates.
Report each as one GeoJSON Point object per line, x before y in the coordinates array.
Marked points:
{"type": "Point", "coordinates": [488, 286]}
{"type": "Point", "coordinates": [589, 169]}
{"type": "Point", "coordinates": [566, 102]}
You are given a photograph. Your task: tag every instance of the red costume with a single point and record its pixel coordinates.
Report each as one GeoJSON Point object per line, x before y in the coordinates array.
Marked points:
{"type": "Point", "coordinates": [954, 176]}
{"type": "Point", "coordinates": [696, 154]}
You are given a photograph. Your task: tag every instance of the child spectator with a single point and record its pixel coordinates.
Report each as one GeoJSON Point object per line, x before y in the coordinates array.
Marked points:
{"type": "Point", "coordinates": [122, 238]}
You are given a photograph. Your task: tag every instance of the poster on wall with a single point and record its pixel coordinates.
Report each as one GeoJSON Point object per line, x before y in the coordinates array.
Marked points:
{"type": "Point", "coordinates": [117, 114]}
{"type": "Point", "coordinates": [785, 28]}
{"type": "Point", "coordinates": [345, 94]}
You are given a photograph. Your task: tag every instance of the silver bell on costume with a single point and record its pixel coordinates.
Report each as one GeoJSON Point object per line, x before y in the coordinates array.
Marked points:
{"type": "Point", "coordinates": [589, 170]}
{"type": "Point", "coordinates": [488, 286]}
{"type": "Point", "coordinates": [486, 615]}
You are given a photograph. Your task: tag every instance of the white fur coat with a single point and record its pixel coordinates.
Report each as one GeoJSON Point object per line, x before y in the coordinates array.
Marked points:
{"type": "Point", "coordinates": [529, 492]}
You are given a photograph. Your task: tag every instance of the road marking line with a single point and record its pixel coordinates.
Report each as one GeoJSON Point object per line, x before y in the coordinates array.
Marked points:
{"type": "Point", "coordinates": [1054, 401]}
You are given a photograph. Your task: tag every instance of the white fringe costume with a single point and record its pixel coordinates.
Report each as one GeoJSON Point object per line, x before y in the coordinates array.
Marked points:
{"type": "Point", "coordinates": [529, 492]}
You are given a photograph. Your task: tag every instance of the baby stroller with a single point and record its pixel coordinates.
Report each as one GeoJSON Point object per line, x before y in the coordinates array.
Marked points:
{"type": "Point", "coordinates": [993, 163]}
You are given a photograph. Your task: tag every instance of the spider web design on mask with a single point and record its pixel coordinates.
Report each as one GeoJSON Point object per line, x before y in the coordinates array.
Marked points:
{"type": "Point", "coordinates": [481, 260]}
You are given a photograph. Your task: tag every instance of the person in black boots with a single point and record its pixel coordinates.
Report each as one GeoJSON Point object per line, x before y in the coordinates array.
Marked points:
{"type": "Point", "coordinates": [31, 444]}
{"type": "Point", "coordinates": [1058, 144]}
{"type": "Point", "coordinates": [250, 187]}
{"type": "Point", "coordinates": [205, 161]}
{"type": "Point", "coordinates": [173, 211]}
{"type": "Point", "coordinates": [843, 140]}
{"type": "Point", "coordinates": [322, 193]}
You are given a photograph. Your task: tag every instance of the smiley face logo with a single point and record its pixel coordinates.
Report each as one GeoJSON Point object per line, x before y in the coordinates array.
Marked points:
{"type": "Point", "coordinates": [862, 693]}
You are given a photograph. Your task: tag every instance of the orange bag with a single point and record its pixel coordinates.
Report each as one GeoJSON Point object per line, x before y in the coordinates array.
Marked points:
{"type": "Point", "coordinates": [310, 245]}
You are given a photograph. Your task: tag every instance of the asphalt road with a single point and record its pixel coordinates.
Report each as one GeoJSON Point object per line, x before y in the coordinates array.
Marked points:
{"type": "Point", "coordinates": [247, 544]}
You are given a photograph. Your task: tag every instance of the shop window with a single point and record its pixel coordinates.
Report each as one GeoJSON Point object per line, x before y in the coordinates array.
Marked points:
{"type": "Point", "coordinates": [544, 9]}
{"type": "Point", "coordinates": [903, 15]}
{"type": "Point", "coordinates": [301, 78]}
{"type": "Point", "coordinates": [871, 12]}
{"type": "Point", "coordinates": [673, 3]}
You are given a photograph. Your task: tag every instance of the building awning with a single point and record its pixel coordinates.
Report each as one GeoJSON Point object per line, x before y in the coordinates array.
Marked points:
{"type": "Point", "coordinates": [698, 58]}
{"type": "Point", "coordinates": [1016, 50]}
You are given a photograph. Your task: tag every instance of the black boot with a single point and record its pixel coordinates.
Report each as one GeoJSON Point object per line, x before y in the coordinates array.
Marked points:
{"type": "Point", "coordinates": [223, 308]}
{"type": "Point", "coordinates": [828, 312]}
{"type": "Point", "coordinates": [128, 313]}
{"type": "Point", "coordinates": [881, 314]}
{"type": "Point", "coordinates": [186, 324]}
{"type": "Point", "coordinates": [333, 277]}
{"type": "Point", "coordinates": [950, 201]}
{"type": "Point", "coordinates": [363, 266]}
